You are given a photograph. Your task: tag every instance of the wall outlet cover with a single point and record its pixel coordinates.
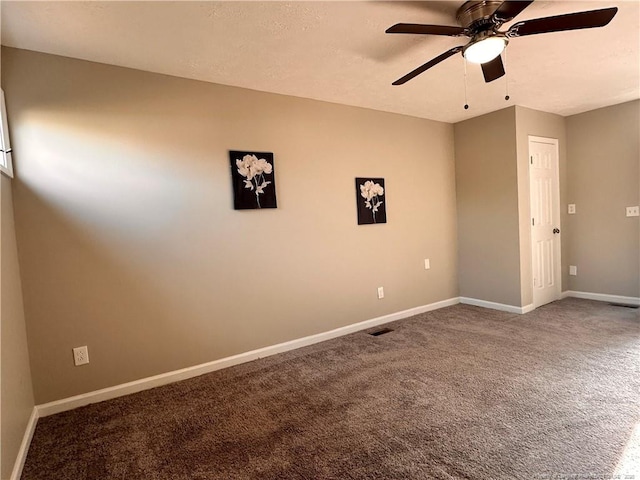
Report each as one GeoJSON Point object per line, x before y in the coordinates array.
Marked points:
{"type": "Point", "coordinates": [427, 264]}
{"type": "Point", "coordinates": [633, 211]}
{"type": "Point", "coordinates": [80, 356]}
{"type": "Point", "coordinates": [572, 208]}
{"type": "Point", "coordinates": [380, 292]}
{"type": "Point", "coordinates": [573, 270]}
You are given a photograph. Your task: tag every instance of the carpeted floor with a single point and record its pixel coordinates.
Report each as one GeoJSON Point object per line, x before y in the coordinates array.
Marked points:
{"type": "Point", "coordinates": [458, 393]}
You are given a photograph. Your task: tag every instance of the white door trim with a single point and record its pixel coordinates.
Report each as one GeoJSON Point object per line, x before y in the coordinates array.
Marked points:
{"type": "Point", "coordinates": [556, 214]}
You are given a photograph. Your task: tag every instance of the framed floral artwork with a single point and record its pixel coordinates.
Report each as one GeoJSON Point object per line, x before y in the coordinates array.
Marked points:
{"type": "Point", "coordinates": [253, 177]}
{"type": "Point", "coordinates": [371, 201]}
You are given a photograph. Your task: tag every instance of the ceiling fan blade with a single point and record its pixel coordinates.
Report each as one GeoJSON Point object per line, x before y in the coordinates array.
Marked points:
{"type": "Point", "coordinates": [416, 28]}
{"type": "Point", "coordinates": [559, 23]}
{"type": "Point", "coordinates": [493, 69]}
{"type": "Point", "coordinates": [427, 66]}
{"type": "Point", "coordinates": [509, 10]}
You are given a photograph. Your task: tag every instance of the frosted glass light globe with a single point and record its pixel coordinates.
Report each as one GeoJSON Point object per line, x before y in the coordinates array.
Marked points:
{"type": "Point", "coordinates": [485, 50]}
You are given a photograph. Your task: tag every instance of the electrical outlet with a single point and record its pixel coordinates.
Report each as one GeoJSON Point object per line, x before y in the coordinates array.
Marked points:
{"type": "Point", "coordinates": [572, 209]}
{"type": "Point", "coordinates": [633, 211]}
{"type": "Point", "coordinates": [380, 292]}
{"type": "Point", "coordinates": [427, 264]}
{"type": "Point", "coordinates": [80, 356]}
{"type": "Point", "coordinates": [573, 270]}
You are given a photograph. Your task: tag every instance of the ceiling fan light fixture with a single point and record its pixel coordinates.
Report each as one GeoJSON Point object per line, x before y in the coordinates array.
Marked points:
{"type": "Point", "coordinates": [485, 50]}
{"type": "Point", "coordinates": [481, 20]}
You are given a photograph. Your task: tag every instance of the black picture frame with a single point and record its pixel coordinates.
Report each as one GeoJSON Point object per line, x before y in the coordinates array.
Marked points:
{"type": "Point", "coordinates": [371, 200]}
{"type": "Point", "coordinates": [254, 180]}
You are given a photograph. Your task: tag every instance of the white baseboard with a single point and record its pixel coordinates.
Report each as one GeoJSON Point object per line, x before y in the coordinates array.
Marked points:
{"type": "Point", "coordinates": [527, 308]}
{"type": "Point", "coordinates": [70, 403]}
{"type": "Point", "coordinates": [496, 306]}
{"type": "Point", "coordinates": [602, 297]}
{"type": "Point", "coordinates": [24, 446]}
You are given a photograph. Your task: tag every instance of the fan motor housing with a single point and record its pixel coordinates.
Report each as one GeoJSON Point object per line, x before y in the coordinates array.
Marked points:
{"type": "Point", "coordinates": [476, 14]}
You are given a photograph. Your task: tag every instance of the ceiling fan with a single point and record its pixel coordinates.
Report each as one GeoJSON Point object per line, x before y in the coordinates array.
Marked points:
{"type": "Point", "coordinates": [480, 21]}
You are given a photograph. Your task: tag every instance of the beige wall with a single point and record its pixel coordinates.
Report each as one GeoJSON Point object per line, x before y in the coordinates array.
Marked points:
{"type": "Point", "coordinates": [16, 395]}
{"type": "Point", "coordinates": [603, 170]}
{"type": "Point", "coordinates": [599, 167]}
{"type": "Point", "coordinates": [539, 124]}
{"type": "Point", "coordinates": [129, 243]}
{"type": "Point", "coordinates": [492, 181]}
{"type": "Point", "coordinates": [487, 199]}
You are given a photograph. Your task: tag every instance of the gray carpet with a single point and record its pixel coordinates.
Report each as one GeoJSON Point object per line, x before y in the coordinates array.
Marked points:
{"type": "Point", "coordinates": [458, 393]}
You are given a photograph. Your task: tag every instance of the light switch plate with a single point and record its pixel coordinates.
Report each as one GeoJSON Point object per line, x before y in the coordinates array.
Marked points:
{"type": "Point", "coordinates": [573, 270]}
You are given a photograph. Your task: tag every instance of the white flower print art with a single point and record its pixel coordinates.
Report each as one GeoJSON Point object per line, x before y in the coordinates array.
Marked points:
{"type": "Point", "coordinates": [253, 180]}
{"type": "Point", "coordinates": [371, 201]}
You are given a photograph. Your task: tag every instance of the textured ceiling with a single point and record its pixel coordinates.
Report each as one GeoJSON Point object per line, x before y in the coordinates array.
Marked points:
{"type": "Point", "coordinates": [338, 51]}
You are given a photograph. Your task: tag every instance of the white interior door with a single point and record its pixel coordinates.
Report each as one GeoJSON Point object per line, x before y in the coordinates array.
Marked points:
{"type": "Point", "coordinates": [545, 219]}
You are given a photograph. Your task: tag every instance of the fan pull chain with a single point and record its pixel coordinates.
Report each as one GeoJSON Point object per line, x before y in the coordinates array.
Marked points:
{"type": "Point", "coordinates": [506, 77]}
{"type": "Point", "coordinates": [466, 104]}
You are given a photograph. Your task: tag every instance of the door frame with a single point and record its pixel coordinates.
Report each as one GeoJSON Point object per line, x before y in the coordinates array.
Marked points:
{"type": "Point", "coordinates": [557, 244]}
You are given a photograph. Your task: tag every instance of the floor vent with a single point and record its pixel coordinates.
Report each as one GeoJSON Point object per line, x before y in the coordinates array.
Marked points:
{"type": "Point", "coordinates": [377, 333]}
{"type": "Point", "coordinates": [625, 305]}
